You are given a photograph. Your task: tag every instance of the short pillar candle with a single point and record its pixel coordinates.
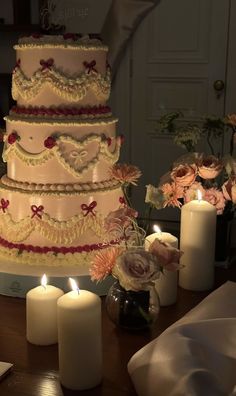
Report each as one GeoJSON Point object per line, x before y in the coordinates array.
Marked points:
{"type": "Point", "coordinates": [79, 339]}
{"type": "Point", "coordinates": [197, 241]}
{"type": "Point", "coordinates": [167, 283]}
{"type": "Point", "coordinates": [41, 314]}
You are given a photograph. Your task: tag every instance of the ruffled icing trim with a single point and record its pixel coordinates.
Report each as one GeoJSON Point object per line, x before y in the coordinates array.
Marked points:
{"type": "Point", "coordinates": [69, 88]}
{"type": "Point", "coordinates": [59, 232]}
{"type": "Point", "coordinates": [62, 112]}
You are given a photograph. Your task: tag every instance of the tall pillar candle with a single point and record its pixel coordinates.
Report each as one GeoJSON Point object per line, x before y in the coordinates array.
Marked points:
{"type": "Point", "coordinates": [41, 314]}
{"type": "Point", "coordinates": [197, 241]}
{"type": "Point", "coordinates": [167, 283]}
{"type": "Point", "coordinates": [79, 340]}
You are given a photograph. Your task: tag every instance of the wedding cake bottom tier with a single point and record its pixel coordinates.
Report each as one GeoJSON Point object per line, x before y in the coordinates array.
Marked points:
{"type": "Point", "coordinates": [56, 229]}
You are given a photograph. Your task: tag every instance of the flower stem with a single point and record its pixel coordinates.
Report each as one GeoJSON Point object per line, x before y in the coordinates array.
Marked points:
{"type": "Point", "coordinates": [148, 213]}
{"type": "Point", "coordinates": [209, 143]}
{"type": "Point", "coordinates": [135, 225]}
{"type": "Point", "coordinates": [127, 196]}
{"type": "Point", "coordinates": [232, 141]}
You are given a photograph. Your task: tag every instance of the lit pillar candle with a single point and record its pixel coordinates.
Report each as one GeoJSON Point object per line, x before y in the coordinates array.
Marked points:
{"type": "Point", "coordinates": [166, 285]}
{"type": "Point", "coordinates": [41, 313]}
{"type": "Point", "coordinates": [197, 241]}
{"type": "Point", "coordinates": [79, 339]}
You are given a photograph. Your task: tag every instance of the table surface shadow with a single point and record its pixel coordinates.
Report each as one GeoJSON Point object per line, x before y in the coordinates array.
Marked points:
{"type": "Point", "coordinates": [35, 371]}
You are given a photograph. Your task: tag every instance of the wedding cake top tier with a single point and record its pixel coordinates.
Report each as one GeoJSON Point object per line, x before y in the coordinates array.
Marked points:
{"type": "Point", "coordinates": [60, 72]}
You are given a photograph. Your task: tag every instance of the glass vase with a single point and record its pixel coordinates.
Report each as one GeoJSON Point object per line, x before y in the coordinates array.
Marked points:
{"type": "Point", "coordinates": [132, 310]}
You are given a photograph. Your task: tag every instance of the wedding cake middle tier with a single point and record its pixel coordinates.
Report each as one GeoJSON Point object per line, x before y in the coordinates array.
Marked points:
{"type": "Point", "coordinates": [44, 151]}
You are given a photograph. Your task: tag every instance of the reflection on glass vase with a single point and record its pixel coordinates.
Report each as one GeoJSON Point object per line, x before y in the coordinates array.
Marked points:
{"type": "Point", "coordinates": [132, 310]}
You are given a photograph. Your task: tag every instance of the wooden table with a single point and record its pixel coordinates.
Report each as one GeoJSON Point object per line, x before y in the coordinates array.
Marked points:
{"type": "Point", "coordinates": [35, 370]}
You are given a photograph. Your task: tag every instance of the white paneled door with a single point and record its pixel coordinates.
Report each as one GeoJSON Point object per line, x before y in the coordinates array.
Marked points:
{"type": "Point", "coordinates": [178, 52]}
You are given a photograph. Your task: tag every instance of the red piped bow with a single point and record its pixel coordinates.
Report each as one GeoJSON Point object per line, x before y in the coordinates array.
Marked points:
{"type": "Point", "coordinates": [37, 211]}
{"type": "Point", "coordinates": [90, 66]}
{"type": "Point", "coordinates": [46, 64]}
{"type": "Point", "coordinates": [4, 204]}
{"type": "Point", "coordinates": [72, 36]}
{"type": "Point", "coordinates": [122, 200]}
{"type": "Point", "coordinates": [36, 35]}
{"type": "Point", "coordinates": [89, 208]}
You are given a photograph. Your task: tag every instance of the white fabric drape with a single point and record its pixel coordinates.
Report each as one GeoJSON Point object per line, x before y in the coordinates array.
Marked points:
{"type": "Point", "coordinates": [122, 19]}
{"type": "Point", "coordinates": [196, 356]}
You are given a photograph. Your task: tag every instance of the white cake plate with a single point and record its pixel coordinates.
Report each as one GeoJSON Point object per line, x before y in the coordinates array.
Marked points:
{"type": "Point", "coordinates": [17, 279]}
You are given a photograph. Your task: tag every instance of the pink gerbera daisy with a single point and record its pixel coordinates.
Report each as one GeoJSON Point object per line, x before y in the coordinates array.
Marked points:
{"type": "Point", "coordinates": [125, 173]}
{"type": "Point", "coordinates": [103, 263]}
{"type": "Point", "coordinates": [172, 193]}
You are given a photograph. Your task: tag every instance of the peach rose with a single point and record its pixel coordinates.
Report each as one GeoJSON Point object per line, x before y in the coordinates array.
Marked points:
{"type": "Point", "coordinates": [233, 193]}
{"type": "Point", "coordinates": [184, 175]}
{"type": "Point", "coordinates": [229, 189]}
{"type": "Point", "coordinates": [209, 167]}
{"type": "Point", "coordinates": [191, 192]}
{"type": "Point", "coordinates": [216, 198]}
{"type": "Point", "coordinates": [229, 163]}
{"type": "Point", "coordinates": [231, 119]}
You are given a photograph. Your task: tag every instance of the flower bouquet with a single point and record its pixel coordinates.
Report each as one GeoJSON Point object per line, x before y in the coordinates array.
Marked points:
{"type": "Point", "coordinates": [213, 174]}
{"type": "Point", "coordinates": [129, 302]}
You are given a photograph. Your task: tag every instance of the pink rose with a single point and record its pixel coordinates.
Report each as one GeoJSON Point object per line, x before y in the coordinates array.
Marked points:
{"type": "Point", "coordinates": [184, 175]}
{"type": "Point", "coordinates": [167, 255]}
{"type": "Point", "coordinates": [136, 269]}
{"type": "Point", "coordinates": [209, 167]}
{"type": "Point", "coordinates": [216, 198]}
{"type": "Point", "coordinates": [120, 218]}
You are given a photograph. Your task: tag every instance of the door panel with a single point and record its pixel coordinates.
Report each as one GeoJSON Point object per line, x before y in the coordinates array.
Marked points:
{"type": "Point", "coordinates": [178, 52]}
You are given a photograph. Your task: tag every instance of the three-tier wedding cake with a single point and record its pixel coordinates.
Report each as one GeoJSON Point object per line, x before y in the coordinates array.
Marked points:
{"type": "Point", "coordinates": [60, 144]}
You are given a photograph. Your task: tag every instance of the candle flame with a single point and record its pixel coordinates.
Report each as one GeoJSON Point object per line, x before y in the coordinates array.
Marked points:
{"type": "Point", "coordinates": [74, 285]}
{"type": "Point", "coordinates": [157, 229]}
{"type": "Point", "coordinates": [44, 281]}
{"type": "Point", "coordinates": [199, 195]}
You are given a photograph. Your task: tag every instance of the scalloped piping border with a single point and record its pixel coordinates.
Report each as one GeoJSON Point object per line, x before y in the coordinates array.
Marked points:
{"type": "Point", "coordinates": [15, 149]}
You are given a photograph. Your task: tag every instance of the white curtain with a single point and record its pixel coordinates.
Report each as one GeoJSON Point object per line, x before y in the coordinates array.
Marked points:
{"type": "Point", "coordinates": [122, 20]}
